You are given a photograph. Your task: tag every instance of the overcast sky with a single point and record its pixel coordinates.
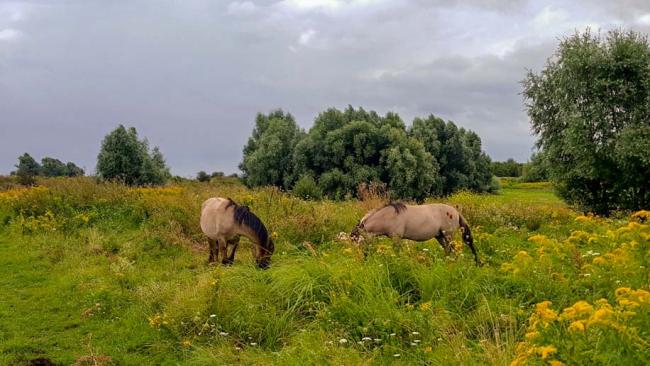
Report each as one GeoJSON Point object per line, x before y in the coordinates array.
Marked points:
{"type": "Point", "coordinates": [191, 75]}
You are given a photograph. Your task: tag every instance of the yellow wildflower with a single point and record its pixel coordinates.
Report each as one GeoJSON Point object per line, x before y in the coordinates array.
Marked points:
{"type": "Point", "coordinates": [642, 295]}
{"type": "Point", "coordinates": [544, 312]}
{"type": "Point", "coordinates": [522, 255]}
{"type": "Point", "coordinates": [622, 291]}
{"type": "Point", "coordinates": [537, 238]}
{"type": "Point", "coordinates": [578, 310]}
{"type": "Point", "coordinates": [531, 335]}
{"type": "Point", "coordinates": [546, 351]}
{"type": "Point", "coordinates": [577, 326]}
{"type": "Point", "coordinates": [556, 363]}
{"type": "Point", "coordinates": [425, 306]}
{"type": "Point", "coordinates": [601, 315]}
{"type": "Point", "coordinates": [628, 303]}
{"type": "Point", "coordinates": [186, 343]}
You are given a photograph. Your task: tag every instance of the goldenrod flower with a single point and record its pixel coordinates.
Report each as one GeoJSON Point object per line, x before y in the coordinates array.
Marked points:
{"type": "Point", "coordinates": [578, 310]}
{"type": "Point", "coordinates": [546, 351]}
{"type": "Point", "coordinates": [577, 326]}
{"type": "Point", "coordinates": [545, 313]}
{"type": "Point", "coordinates": [537, 238]}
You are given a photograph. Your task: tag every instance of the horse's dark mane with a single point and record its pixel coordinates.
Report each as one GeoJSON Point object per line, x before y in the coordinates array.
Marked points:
{"type": "Point", "coordinates": [398, 206]}
{"type": "Point", "coordinates": [243, 216]}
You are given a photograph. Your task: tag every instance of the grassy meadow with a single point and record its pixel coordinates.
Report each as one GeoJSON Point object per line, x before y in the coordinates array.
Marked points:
{"type": "Point", "coordinates": [103, 274]}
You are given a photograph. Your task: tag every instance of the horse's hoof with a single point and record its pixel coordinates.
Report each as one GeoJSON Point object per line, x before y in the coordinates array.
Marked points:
{"type": "Point", "coordinates": [227, 262]}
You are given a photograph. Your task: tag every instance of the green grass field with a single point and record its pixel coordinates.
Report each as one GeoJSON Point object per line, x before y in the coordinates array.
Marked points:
{"type": "Point", "coordinates": [102, 274]}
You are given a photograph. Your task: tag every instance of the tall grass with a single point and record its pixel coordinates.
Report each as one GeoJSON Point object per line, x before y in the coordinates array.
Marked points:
{"type": "Point", "coordinates": [95, 269]}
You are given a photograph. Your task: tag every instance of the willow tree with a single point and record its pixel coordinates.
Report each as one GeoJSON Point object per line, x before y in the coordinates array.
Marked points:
{"type": "Point", "coordinates": [590, 107]}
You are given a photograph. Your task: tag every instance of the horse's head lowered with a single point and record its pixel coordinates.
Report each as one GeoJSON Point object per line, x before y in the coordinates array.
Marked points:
{"type": "Point", "coordinates": [243, 216]}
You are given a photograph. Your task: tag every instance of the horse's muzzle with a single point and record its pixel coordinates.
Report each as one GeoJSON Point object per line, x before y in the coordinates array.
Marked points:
{"type": "Point", "coordinates": [264, 264]}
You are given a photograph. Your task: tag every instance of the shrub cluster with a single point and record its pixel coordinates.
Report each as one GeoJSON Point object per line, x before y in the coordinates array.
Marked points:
{"type": "Point", "coordinates": [344, 149]}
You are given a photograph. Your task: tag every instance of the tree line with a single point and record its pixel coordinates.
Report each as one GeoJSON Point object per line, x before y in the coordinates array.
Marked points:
{"type": "Point", "coordinates": [346, 148]}
{"type": "Point", "coordinates": [28, 168]}
{"type": "Point", "coordinates": [590, 108]}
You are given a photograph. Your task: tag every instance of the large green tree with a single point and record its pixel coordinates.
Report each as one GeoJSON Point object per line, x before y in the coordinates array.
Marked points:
{"type": "Point", "coordinates": [590, 108]}
{"type": "Point", "coordinates": [463, 165]}
{"type": "Point", "coordinates": [51, 167]}
{"type": "Point", "coordinates": [269, 152]}
{"type": "Point", "coordinates": [126, 159]}
{"type": "Point", "coordinates": [27, 169]}
{"type": "Point", "coordinates": [346, 148]}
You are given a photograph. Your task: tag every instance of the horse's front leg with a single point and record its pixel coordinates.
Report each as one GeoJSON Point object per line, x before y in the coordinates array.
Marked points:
{"type": "Point", "coordinates": [213, 251]}
{"type": "Point", "coordinates": [234, 243]}
{"type": "Point", "coordinates": [449, 239]}
{"type": "Point", "coordinates": [442, 239]}
{"type": "Point", "coordinates": [397, 242]}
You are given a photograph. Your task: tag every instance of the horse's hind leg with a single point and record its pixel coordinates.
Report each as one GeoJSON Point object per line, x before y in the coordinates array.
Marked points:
{"type": "Point", "coordinates": [214, 255]}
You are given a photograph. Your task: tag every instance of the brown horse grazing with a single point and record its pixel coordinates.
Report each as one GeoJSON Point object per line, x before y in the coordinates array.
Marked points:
{"type": "Point", "coordinates": [420, 223]}
{"type": "Point", "coordinates": [224, 222]}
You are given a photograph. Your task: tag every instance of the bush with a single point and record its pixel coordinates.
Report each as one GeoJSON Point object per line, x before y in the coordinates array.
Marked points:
{"type": "Point", "coordinates": [306, 188]}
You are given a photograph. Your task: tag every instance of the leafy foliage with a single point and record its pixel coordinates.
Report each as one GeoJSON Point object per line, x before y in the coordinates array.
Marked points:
{"type": "Point", "coordinates": [51, 167]}
{"type": "Point", "coordinates": [28, 168]}
{"type": "Point", "coordinates": [590, 108]}
{"type": "Point", "coordinates": [458, 153]}
{"type": "Point", "coordinates": [306, 188]}
{"type": "Point", "coordinates": [345, 149]}
{"type": "Point", "coordinates": [72, 170]}
{"type": "Point", "coordinates": [536, 169]}
{"type": "Point", "coordinates": [268, 153]}
{"type": "Point", "coordinates": [126, 159]}
{"type": "Point", "coordinates": [202, 176]}
{"type": "Point", "coordinates": [508, 168]}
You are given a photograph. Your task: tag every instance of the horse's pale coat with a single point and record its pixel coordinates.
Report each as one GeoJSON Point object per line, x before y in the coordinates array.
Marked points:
{"type": "Point", "coordinates": [417, 222]}
{"type": "Point", "coordinates": [219, 224]}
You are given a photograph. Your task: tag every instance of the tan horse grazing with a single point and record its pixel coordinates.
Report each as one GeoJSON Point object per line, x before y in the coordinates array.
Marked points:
{"type": "Point", "coordinates": [224, 222]}
{"type": "Point", "coordinates": [420, 223]}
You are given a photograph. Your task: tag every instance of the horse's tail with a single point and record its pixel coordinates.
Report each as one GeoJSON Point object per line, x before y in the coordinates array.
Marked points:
{"type": "Point", "coordinates": [467, 236]}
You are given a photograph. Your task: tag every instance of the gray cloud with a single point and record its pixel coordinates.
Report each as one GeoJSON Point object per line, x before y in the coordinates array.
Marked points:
{"type": "Point", "coordinates": [191, 75]}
